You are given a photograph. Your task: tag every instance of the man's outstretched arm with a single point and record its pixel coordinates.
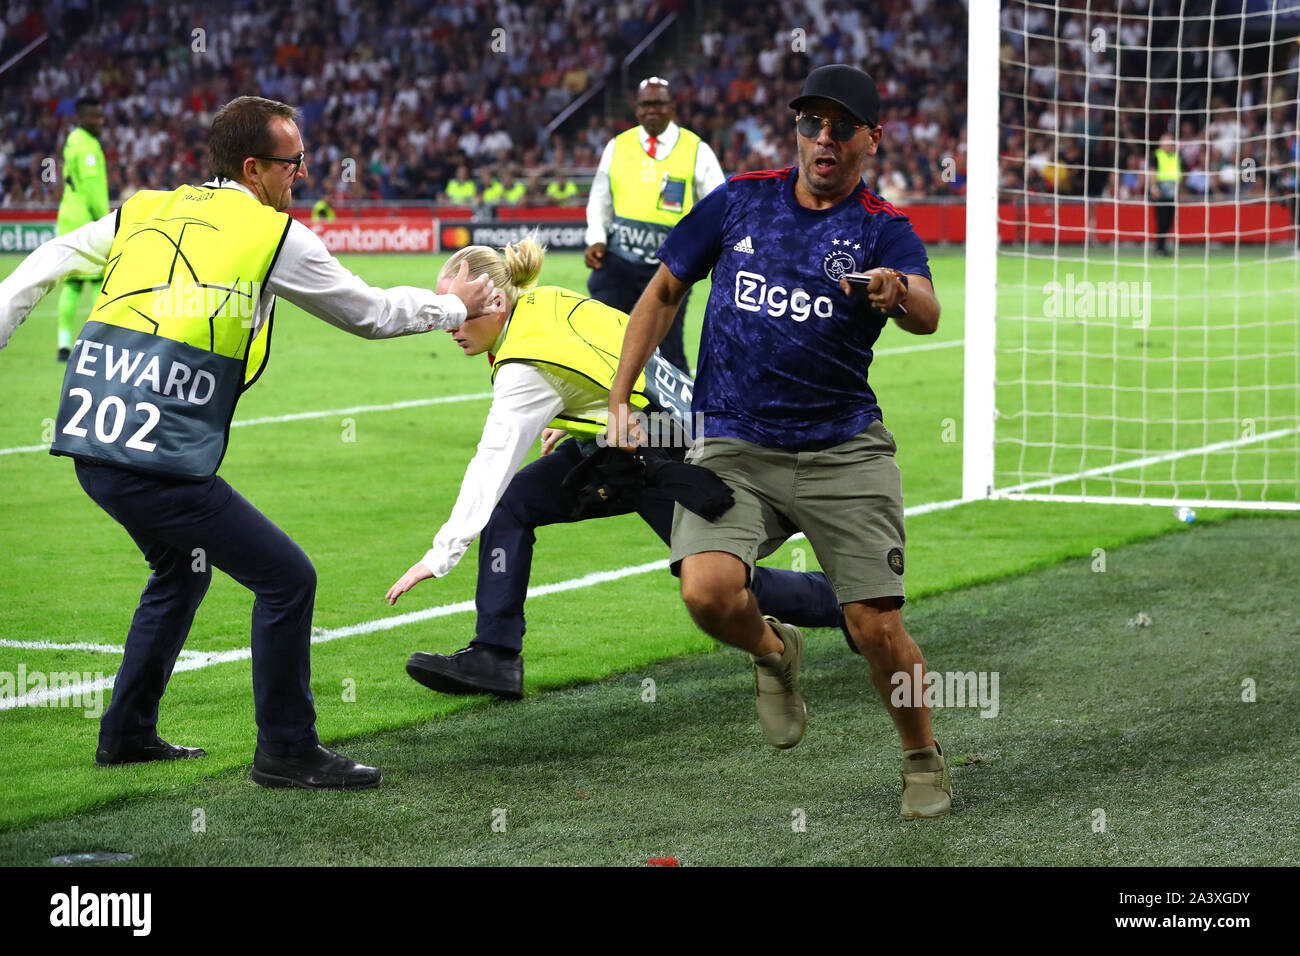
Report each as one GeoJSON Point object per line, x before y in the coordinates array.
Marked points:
{"type": "Point", "coordinates": [82, 251]}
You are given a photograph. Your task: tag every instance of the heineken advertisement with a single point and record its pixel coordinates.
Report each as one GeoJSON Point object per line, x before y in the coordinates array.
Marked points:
{"type": "Point", "coordinates": [24, 236]}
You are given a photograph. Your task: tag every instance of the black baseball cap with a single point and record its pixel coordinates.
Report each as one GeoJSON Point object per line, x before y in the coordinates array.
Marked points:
{"type": "Point", "coordinates": [846, 85]}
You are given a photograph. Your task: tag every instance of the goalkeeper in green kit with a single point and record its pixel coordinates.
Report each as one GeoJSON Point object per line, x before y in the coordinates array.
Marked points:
{"type": "Point", "coordinates": [85, 199]}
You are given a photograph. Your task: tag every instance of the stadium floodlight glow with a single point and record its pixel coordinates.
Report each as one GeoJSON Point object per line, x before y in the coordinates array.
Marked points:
{"type": "Point", "coordinates": [1099, 366]}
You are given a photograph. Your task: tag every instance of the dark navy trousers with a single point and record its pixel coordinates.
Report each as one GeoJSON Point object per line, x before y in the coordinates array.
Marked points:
{"type": "Point", "coordinates": [185, 529]}
{"type": "Point", "coordinates": [535, 498]}
{"type": "Point", "coordinates": [619, 283]}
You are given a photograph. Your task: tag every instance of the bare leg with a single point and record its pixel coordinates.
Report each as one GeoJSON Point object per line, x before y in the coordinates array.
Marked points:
{"type": "Point", "coordinates": [713, 588]}
{"type": "Point", "coordinates": [877, 629]}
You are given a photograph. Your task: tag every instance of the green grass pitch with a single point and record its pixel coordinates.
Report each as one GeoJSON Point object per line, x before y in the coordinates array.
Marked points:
{"type": "Point", "coordinates": [1104, 361]}
{"type": "Point", "coordinates": [1145, 723]}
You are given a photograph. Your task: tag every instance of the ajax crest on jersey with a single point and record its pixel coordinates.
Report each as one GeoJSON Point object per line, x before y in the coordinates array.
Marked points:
{"type": "Point", "coordinates": [838, 264]}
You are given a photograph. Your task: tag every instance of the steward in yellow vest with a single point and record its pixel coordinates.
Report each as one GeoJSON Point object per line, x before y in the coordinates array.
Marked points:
{"type": "Point", "coordinates": [170, 344]}
{"type": "Point", "coordinates": [181, 326]}
{"type": "Point", "coordinates": [556, 353]}
{"type": "Point", "coordinates": [1169, 171]}
{"type": "Point", "coordinates": [579, 339]}
{"type": "Point", "coordinates": [649, 195]}
{"type": "Point", "coordinates": [561, 191]}
{"type": "Point", "coordinates": [461, 191]}
{"type": "Point", "coordinates": [553, 354]}
{"type": "Point", "coordinates": [647, 179]}
{"type": "Point", "coordinates": [514, 193]}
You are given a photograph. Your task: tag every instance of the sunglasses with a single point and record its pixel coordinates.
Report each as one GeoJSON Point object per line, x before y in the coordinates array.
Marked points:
{"type": "Point", "coordinates": [295, 163]}
{"type": "Point", "coordinates": [810, 125]}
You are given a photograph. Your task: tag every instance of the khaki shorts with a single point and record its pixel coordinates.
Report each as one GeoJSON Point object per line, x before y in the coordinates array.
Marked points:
{"type": "Point", "coordinates": [847, 500]}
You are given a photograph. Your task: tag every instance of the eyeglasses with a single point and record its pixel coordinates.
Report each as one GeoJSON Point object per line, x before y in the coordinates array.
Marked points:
{"type": "Point", "coordinates": [295, 163]}
{"type": "Point", "coordinates": [810, 125]}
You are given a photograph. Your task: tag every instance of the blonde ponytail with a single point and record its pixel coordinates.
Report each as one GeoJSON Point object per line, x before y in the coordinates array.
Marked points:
{"type": "Point", "coordinates": [513, 270]}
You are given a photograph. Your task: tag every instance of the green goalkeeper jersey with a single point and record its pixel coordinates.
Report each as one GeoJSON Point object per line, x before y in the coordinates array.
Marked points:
{"type": "Point", "coordinates": [85, 182]}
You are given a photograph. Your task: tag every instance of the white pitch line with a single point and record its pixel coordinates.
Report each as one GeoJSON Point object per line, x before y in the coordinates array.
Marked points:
{"type": "Point", "coordinates": [444, 400]}
{"type": "Point", "coordinates": [19, 449]}
{"type": "Point", "coordinates": [52, 646]}
{"type": "Point", "coordinates": [358, 409]}
{"type": "Point", "coordinates": [197, 660]}
{"type": "Point", "coordinates": [84, 646]}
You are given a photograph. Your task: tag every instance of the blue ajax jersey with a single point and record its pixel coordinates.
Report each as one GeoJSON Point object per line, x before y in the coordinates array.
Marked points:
{"type": "Point", "coordinates": [784, 352]}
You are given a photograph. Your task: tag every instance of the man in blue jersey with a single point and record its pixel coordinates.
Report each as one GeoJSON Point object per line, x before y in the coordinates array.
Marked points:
{"type": "Point", "coordinates": [790, 421]}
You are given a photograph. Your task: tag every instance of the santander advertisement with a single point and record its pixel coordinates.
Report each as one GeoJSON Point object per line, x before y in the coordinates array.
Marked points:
{"type": "Point", "coordinates": [376, 235]}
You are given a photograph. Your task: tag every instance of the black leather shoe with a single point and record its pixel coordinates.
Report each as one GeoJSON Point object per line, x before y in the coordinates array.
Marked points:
{"type": "Point", "coordinates": [319, 769]}
{"type": "Point", "coordinates": [158, 750]}
{"type": "Point", "coordinates": [64, 354]}
{"type": "Point", "coordinates": [477, 669]}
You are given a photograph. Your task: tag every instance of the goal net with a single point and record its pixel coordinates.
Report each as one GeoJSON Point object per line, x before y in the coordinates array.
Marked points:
{"type": "Point", "coordinates": [1133, 282]}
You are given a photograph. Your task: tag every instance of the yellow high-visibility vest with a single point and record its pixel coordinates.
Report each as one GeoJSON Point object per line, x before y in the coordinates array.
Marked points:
{"type": "Point", "coordinates": [649, 195]}
{"type": "Point", "coordinates": [560, 193]}
{"type": "Point", "coordinates": [172, 340]}
{"type": "Point", "coordinates": [1169, 170]}
{"type": "Point", "coordinates": [572, 336]}
{"type": "Point", "coordinates": [1169, 166]}
{"type": "Point", "coordinates": [461, 192]}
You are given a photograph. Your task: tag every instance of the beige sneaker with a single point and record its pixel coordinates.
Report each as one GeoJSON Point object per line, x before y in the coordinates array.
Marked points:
{"type": "Point", "coordinates": [926, 789]}
{"type": "Point", "coordinates": [781, 710]}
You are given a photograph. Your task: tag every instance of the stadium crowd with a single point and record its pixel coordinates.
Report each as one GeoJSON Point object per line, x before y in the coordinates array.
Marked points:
{"type": "Point", "coordinates": [394, 100]}
{"type": "Point", "coordinates": [754, 57]}
{"type": "Point", "coordinates": [1086, 96]}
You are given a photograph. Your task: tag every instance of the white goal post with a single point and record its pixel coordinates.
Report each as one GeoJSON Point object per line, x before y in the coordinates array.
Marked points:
{"type": "Point", "coordinates": [1132, 308]}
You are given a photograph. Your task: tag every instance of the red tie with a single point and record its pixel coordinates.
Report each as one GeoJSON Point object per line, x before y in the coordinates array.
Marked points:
{"type": "Point", "coordinates": [653, 141]}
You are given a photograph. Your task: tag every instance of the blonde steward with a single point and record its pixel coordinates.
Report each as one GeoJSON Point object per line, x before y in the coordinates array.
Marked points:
{"type": "Point", "coordinates": [572, 337]}
{"type": "Point", "coordinates": [513, 270]}
{"type": "Point", "coordinates": [553, 355]}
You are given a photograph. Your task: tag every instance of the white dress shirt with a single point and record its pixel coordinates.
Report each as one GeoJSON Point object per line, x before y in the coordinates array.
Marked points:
{"type": "Point", "coordinates": [600, 201]}
{"type": "Point", "coordinates": [306, 274]}
{"type": "Point", "coordinates": [524, 398]}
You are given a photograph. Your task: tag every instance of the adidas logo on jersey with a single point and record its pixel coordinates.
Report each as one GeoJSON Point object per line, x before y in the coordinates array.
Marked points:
{"type": "Point", "coordinates": [745, 245]}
